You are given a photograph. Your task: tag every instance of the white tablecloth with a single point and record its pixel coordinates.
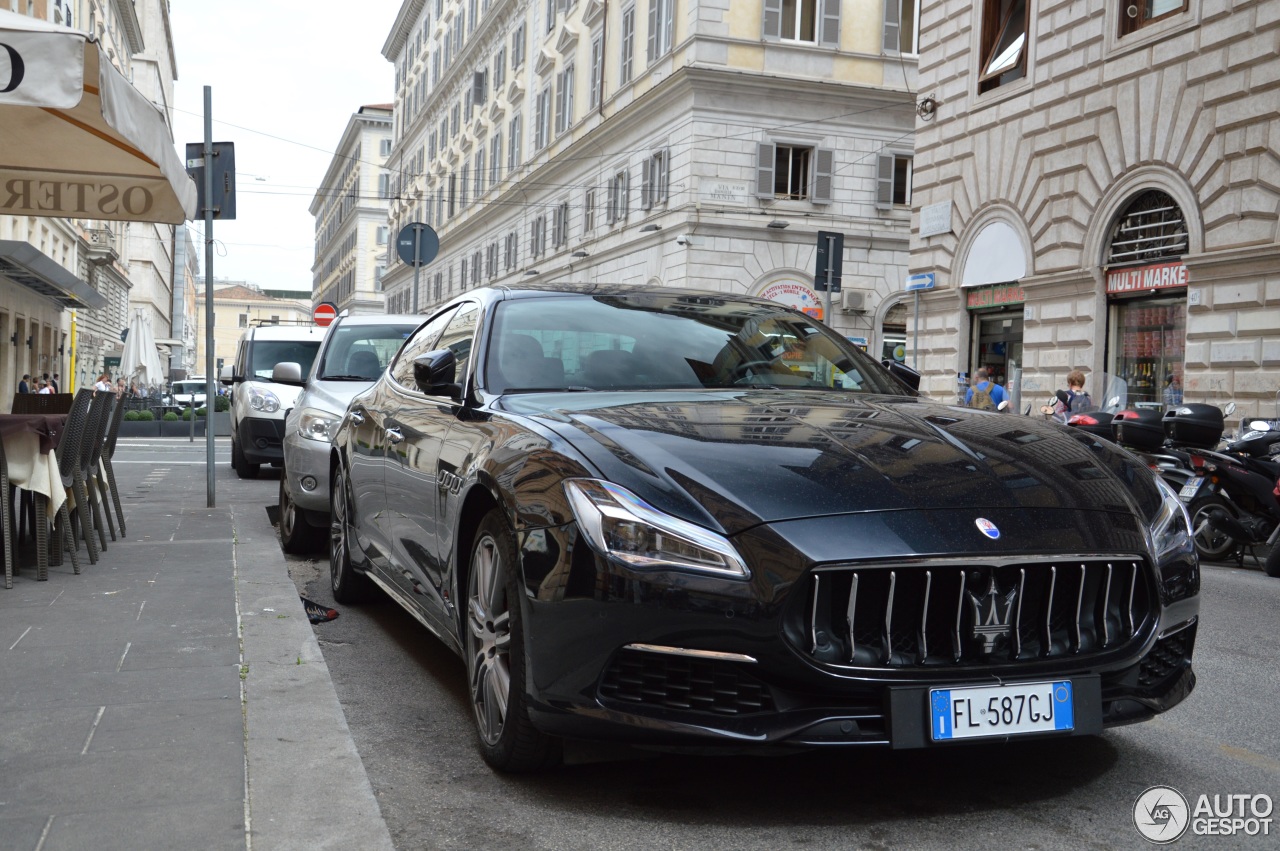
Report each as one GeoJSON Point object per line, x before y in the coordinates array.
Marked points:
{"type": "Point", "coordinates": [32, 470]}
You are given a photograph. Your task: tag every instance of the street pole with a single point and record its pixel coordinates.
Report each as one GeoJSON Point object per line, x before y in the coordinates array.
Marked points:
{"type": "Point", "coordinates": [826, 294]}
{"type": "Point", "coordinates": [210, 378]}
{"type": "Point", "coordinates": [417, 252]}
{"type": "Point", "coordinates": [915, 343]}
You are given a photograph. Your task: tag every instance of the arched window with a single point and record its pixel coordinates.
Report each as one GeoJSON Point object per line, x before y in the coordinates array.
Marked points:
{"type": "Point", "coordinates": [1152, 228]}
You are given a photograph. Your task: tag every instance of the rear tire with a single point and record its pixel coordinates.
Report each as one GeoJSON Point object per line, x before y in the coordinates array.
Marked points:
{"type": "Point", "coordinates": [1272, 564]}
{"type": "Point", "coordinates": [243, 468]}
{"type": "Point", "coordinates": [348, 585]}
{"type": "Point", "coordinates": [1211, 544]}
{"type": "Point", "coordinates": [297, 535]}
{"type": "Point", "coordinates": [494, 638]}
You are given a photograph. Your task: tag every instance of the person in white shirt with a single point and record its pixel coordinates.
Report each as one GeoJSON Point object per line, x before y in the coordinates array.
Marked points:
{"type": "Point", "coordinates": [44, 387]}
{"type": "Point", "coordinates": [104, 384]}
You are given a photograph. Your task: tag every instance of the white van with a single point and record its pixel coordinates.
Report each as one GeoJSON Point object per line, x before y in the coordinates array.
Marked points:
{"type": "Point", "coordinates": [188, 392]}
{"type": "Point", "coordinates": [259, 405]}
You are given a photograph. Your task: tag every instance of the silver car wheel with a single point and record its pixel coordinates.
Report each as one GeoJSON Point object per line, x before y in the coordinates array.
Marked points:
{"type": "Point", "coordinates": [488, 639]}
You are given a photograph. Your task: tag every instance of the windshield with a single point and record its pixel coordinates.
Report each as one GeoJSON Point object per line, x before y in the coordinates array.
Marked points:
{"type": "Point", "coordinates": [362, 351]}
{"type": "Point", "coordinates": [268, 353]}
{"type": "Point", "coordinates": [654, 341]}
{"type": "Point", "coordinates": [185, 387]}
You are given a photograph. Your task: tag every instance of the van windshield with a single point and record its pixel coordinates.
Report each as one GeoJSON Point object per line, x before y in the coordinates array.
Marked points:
{"type": "Point", "coordinates": [268, 353]}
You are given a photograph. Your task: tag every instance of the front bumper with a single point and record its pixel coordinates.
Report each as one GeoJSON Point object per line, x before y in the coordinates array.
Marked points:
{"type": "Point", "coordinates": [261, 440]}
{"type": "Point", "coordinates": [306, 458]}
{"type": "Point", "coordinates": [685, 661]}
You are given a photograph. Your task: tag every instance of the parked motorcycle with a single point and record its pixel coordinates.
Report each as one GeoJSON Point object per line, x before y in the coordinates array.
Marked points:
{"type": "Point", "coordinates": [1234, 498]}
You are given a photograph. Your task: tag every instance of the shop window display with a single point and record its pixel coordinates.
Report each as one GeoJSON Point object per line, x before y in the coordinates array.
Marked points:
{"type": "Point", "coordinates": [1152, 347]}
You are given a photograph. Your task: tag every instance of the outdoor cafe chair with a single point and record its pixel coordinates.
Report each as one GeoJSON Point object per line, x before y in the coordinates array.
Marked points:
{"type": "Point", "coordinates": [96, 425]}
{"type": "Point", "coordinates": [70, 467]}
{"type": "Point", "coordinates": [108, 452]}
{"type": "Point", "coordinates": [94, 477]}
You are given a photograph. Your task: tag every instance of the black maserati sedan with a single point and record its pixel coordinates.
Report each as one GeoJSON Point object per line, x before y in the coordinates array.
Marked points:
{"type": "Point", "coordinates": [696, 520]}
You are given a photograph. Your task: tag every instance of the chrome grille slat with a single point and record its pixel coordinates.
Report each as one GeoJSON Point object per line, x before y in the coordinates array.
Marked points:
{"type": "Point", "coordinates": [1007, 612]}
{"type": "Point", "coordinates": [849, 615]}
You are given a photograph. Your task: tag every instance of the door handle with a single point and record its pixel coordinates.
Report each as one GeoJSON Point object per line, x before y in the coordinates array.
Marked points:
{"type": "Point", "coordinates": [394, 435]}
{"type": "Point", "coordinates": [357, 418]}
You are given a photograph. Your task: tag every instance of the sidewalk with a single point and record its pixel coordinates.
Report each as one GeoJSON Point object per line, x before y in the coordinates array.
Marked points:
{"type": "Point", "coordinates": [173, 695]}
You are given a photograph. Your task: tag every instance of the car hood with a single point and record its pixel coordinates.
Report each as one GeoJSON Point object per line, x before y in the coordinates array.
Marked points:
{"type": "Point", "coordinates": [331, 396]}
{"type": "Point", "coordinates": [734, 460]}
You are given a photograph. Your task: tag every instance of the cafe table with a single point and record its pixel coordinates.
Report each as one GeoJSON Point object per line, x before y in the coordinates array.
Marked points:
{"type": "Point", "coordinates": [30, 447]}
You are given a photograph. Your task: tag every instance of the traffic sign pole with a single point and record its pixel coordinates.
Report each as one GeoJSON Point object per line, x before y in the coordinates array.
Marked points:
{"type": "Point", "coordinates": [417, 267]}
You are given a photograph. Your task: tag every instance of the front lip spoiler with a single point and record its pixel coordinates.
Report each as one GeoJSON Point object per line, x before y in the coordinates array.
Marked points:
{"type": "Point", "coordinates": [695, 654]}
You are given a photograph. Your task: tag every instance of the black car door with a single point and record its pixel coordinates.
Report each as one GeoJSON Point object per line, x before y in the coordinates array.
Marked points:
{"type": "Point", "coordinates": [414, 484]}
{"type": "Point", "coordinates": [371, 441]}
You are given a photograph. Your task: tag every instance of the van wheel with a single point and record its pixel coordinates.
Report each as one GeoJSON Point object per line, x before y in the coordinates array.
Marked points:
{"type": "Point", "coordinates": [243, 468]}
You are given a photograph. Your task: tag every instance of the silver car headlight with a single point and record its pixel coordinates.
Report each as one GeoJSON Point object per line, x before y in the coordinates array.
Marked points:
{"type": "Point", "coordinates": [263, 400]}
{"type": "Point", "coordinates": [620, 525]}
{"type": "Point", "coordinates": [315, 424]}
{"type": "Point", "coordinates": [1170, 531]}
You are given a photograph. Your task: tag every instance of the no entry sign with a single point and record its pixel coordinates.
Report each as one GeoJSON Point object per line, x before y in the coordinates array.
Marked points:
{"type": "Point", "coordinates": [324, 313]}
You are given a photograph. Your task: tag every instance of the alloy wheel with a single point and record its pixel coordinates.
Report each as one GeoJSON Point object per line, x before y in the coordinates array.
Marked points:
{"type": "Point", "coordinates": [489, 640]}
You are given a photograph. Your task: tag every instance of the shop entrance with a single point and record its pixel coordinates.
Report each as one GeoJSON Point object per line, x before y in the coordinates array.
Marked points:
{"type": "Point", "coordinates": [999, 349]}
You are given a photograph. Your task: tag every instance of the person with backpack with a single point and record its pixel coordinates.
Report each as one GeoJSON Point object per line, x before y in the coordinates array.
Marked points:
{"type": "Point", "coordinates": [1074, 400]}
{"type": "Point", "coordinates": [984, 393]}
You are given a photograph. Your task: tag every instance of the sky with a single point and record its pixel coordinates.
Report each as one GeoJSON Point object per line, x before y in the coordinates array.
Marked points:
{"type": "Point", "coordinates": [285, 77]}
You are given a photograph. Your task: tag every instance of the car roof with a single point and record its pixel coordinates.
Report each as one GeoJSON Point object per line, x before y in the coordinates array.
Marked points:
{"type": "Point", "coordinates": [287, 332]}
{"type": "Point", "coordinates": [381, 319]}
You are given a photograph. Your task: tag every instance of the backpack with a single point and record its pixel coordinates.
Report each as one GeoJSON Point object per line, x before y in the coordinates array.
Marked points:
{"type": "Point", "coordinates": [982, 397]}
{"type": "Point", "coordinates": [1078, 402]}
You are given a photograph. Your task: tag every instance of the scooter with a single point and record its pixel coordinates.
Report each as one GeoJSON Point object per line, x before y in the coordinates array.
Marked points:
{"type": "Point", "coordinates": [1234, 499]}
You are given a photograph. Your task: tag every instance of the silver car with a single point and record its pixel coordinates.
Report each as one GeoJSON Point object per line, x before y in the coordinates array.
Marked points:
{"type": "Point", "coordinates": [353, 355]}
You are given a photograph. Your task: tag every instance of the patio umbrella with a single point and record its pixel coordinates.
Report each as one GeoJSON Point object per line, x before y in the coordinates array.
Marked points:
{"type": "Point", "coordinates": [76, 138]}
{"type": "Point", "coordinates": [140, 361]}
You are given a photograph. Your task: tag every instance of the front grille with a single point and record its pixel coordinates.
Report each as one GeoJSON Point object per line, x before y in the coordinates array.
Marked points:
{"type": "Point", "coordinates": [1166, 658]}
{"type": "Point", "coordinates": [684, 683]}
{"type": "Point", "coordinates": [906, 616]}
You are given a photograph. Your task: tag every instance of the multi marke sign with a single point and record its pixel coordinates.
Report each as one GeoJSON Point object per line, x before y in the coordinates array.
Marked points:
{"type": "Point", "coordinates": [1158, 276]}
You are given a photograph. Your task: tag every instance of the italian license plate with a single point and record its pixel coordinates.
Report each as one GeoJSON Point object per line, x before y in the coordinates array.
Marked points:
{"type": "Point", "coordinates": [1190, 489]}
{"type": "Point", "coordinates": [987, 711]}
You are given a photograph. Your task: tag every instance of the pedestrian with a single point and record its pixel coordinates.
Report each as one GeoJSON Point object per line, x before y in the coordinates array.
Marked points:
{"type": "Point", "coordinates": [1074, 399]}
{"type": "Point", "coordinates": [103, 384]}
{"type": "Point", "coordinates": [119, 388]}
{"type": "Point", "coordinates": [56, 383]}
{"type": "Point", "coordinates": [984, 393]}
{"type": "Point", "coordinates": [45, 389]}
{"type": "Point", "coordinates": [23, 386]}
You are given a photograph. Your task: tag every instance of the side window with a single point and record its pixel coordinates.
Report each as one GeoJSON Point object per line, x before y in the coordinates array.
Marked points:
{"type": "Point", "coordinates": [419, 344]}
{"type": "Point", "coordinates": [460, 335]}
{"type": "Point", "coordinates": [1004, 43]}
{"type": "Point", "coordinates": [1136, 15]}
{"type": "Point", "coordinates": [242, 357]}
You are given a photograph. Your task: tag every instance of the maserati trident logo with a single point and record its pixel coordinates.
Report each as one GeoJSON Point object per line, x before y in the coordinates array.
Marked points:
{"type": "Point", "coordinates": [987, 528]}
{"type": "Point", "coordinates": [992, 614]}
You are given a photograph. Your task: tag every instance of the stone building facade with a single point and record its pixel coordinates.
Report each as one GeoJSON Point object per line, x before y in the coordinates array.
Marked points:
{"type": "Point", "coordinates": [350, 209]}
{"type": "Point", "coordinates": [1098, 187]}
{"type": "Point", "coordinates": [696, 143]}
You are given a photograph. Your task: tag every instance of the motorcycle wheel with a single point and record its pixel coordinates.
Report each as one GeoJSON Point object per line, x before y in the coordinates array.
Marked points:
{"type": "Point", "coordinates": [1211, 544]}
{"type": "Point", "coordinates": [1272, 564]}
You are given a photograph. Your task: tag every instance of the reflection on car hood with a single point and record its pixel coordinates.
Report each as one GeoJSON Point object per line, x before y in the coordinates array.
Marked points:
{"type": "Point", "coordinates": [736, 459]}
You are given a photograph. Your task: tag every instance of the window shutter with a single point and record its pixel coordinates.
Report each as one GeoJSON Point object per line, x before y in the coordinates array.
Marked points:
{"type": "Point", "coordinates": [664, 178]}
{"type": "Point", "coordinates": [646, 184]}
{"type": "Point", "coordinates": [884, 181]}
{"type": "Point", "coordinates": [669, 25]}
{"type": "Point", "coordinates": [478, 88]}
{"type": "Point", "coordinates": [830, 23]}
{"type": "Point", "coordinates": [561, 93]}
{"type": "Point", "coordinates": [653, 30]}
{"type": "Point", "coordinates": [892, 26]}
{"type": "Point", "coordinates": [823, 161]}
{"type": "Point", "coordinates": [765, 154]}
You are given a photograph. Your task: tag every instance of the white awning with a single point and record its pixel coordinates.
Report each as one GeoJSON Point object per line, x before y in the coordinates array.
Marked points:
{"type": "Point", "coordinates": [76, 138]}
{"type": "Point", "coordinates": [996, 257]}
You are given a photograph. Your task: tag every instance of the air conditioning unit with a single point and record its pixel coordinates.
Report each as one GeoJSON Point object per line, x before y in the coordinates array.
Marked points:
{"type": "Point", "coordinates": [853, 301]}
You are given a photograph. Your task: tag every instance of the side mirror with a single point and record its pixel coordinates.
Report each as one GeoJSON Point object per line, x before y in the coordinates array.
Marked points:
{"type": "Point", "coordinates": [434, 374]}
{"type": "Point", "coordinates": [1062, 396]}
{"type": "Point", "coordinates": [1230, 409]}
{"type": "Point", "coordinates": [228, 374]}
{"type": "Point", "coordinates": [288, 372]}
{"type": "Point", "coordinates": [1260, 425]}
{"type": "Point", "coordinates": [903, 373]}
{"type": "Point", "coordinates": [1003, 406]}
{"type": "Point", "coordinates": [1113, 402]}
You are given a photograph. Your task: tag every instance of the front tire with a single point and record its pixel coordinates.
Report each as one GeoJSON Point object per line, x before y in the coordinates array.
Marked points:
{"type": "Point", "coordinates": [297, 535]}
{"type": "Point", "coordinates": [1272, 564]}
{"type": "Point", "coordinates": [243, 468]}
{"type": "Point", "coordinates": [1211, 544]}
{"type": "Point", "coordinates": [494, 638]}
{"type": "Point", "coordinates": [347, 584]}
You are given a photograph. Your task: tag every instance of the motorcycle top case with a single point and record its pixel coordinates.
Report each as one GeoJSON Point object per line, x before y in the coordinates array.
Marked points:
{"type": "Point", "coordinates": [1142, 429]}
{"type": "Point", "coordinates": [1194, 425]}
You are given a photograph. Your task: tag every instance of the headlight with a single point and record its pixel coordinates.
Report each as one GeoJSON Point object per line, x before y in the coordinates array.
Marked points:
{"type": "Point", "coordinates": [316, 424]}
{"type": "Point", "coordinates": [621, 525]}
{"type": "Point", "coordinates": [1170, 531]}
{"type": "Point", "coordinates": [263, 400]}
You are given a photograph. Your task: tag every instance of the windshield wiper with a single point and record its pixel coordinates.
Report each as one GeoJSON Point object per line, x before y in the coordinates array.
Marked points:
{"type": "Point", "coordinates": [346, 378]}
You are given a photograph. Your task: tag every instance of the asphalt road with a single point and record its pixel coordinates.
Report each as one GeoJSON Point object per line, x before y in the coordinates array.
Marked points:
{"type": "Point", "coordinates": [404, 698]}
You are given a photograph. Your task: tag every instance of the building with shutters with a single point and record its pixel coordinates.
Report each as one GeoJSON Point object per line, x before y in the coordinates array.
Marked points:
{"type": "Point", "coordinates": [690, 143]}
{"type": "Point", "coordinates": [1098, 186]}
{"type": "Point", "coordinates": [350, 209]}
